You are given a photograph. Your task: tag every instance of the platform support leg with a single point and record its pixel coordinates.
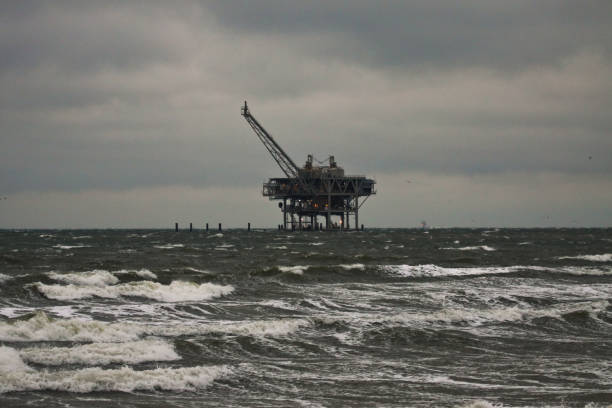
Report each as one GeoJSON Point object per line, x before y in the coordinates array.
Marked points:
{"type": "Point", "coordinates": [284, 213]}
{"type": "Point", "coordinates": [357, 212]}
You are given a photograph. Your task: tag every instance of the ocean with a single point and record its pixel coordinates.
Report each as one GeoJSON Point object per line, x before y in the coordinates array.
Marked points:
{"type": "Point", "coordinates": [384, 317]}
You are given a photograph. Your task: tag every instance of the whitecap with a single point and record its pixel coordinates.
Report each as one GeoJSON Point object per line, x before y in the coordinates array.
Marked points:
{"type": "Point", "coordinates": [574, 270]}
{"type": "Point", "coordinates": [123, 379]}
{"type": "Point", "coordinates": [592, 258]}
{"type": "Point", "coordinates": [4, 277]}
{"type": "Point", "coordinates": [97, 277]}
{"type": "Point", "coordinates": [225, 246]}
{"type": "Point", "coordinates": [481, 404]}
{"type": "Point", "coordinates": [279, 327]}
{"type": "Point", "coordinates": [176, 291]}
{"type": "Point", "coordinates": [197, 270]}
{"type": "Point", "coordinates": [60, 246]}
{"type": "Point", "coordinates": [358, 266]}
{"type": "Point", "coordinates": [472, 248]}
{"type": "Point", "coordinates": [102, 353]}
{"type": "Point", "coordinates": [168, 246]}
{"type": "Point", "coordinates": [298, 269]}
{"type": "Point", "coordinates": [143, 273]}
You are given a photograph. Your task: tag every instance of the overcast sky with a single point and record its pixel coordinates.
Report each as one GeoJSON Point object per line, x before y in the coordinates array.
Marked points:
{"type": "Point", "coordinates": [471, 113]}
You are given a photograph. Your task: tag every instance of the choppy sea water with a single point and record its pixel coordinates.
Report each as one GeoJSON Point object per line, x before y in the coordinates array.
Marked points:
{"type": "Point", "coordinates": [445, 317]}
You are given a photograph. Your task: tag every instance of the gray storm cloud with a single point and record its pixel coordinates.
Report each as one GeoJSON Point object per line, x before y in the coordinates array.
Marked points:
{"type": "Point", "coordinates": [119, 97]}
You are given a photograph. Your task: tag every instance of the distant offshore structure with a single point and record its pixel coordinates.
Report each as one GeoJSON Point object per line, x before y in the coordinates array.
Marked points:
{"type": "Point", "coordinates": [312, 191]}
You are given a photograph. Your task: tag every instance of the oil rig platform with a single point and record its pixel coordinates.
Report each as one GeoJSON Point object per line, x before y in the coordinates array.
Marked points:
{"type": "Point", "coordinates": [313, 190]}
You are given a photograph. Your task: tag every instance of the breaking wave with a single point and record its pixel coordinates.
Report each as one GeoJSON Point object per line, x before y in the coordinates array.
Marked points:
{"type": "Point", "coordinates": [123, 379]}
{"type": "Point", "coordinates": [41, 327]}
{"type": "Point", "coordinates": [102, 353]}
{"type": "Point", "coordinates": [176, 291]}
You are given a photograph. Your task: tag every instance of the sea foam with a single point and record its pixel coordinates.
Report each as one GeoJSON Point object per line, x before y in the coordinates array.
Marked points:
{"type": "Point", "coordinates": [10, 361]}
{"type": "Point", "coordinates": [430, 270]}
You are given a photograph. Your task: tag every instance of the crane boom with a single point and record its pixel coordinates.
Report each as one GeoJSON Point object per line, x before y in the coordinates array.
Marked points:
{"type": "Point", "coordinates": [278, 154]}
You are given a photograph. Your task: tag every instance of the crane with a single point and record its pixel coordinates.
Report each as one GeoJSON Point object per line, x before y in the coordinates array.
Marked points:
{"type": "Point", "coordinates": [278, 154]}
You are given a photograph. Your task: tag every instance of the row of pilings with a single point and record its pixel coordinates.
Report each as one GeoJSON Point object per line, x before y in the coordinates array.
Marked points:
{"type": "Point", "coordinates": [220, 228]}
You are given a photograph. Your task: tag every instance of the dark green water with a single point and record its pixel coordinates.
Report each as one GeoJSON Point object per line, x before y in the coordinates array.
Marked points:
{"type": "Point", "coordinates": [447, 317]}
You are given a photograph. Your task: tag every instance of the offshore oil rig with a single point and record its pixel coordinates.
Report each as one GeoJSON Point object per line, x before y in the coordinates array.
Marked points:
{"type": "Point", "coordinates": [313, 190]}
